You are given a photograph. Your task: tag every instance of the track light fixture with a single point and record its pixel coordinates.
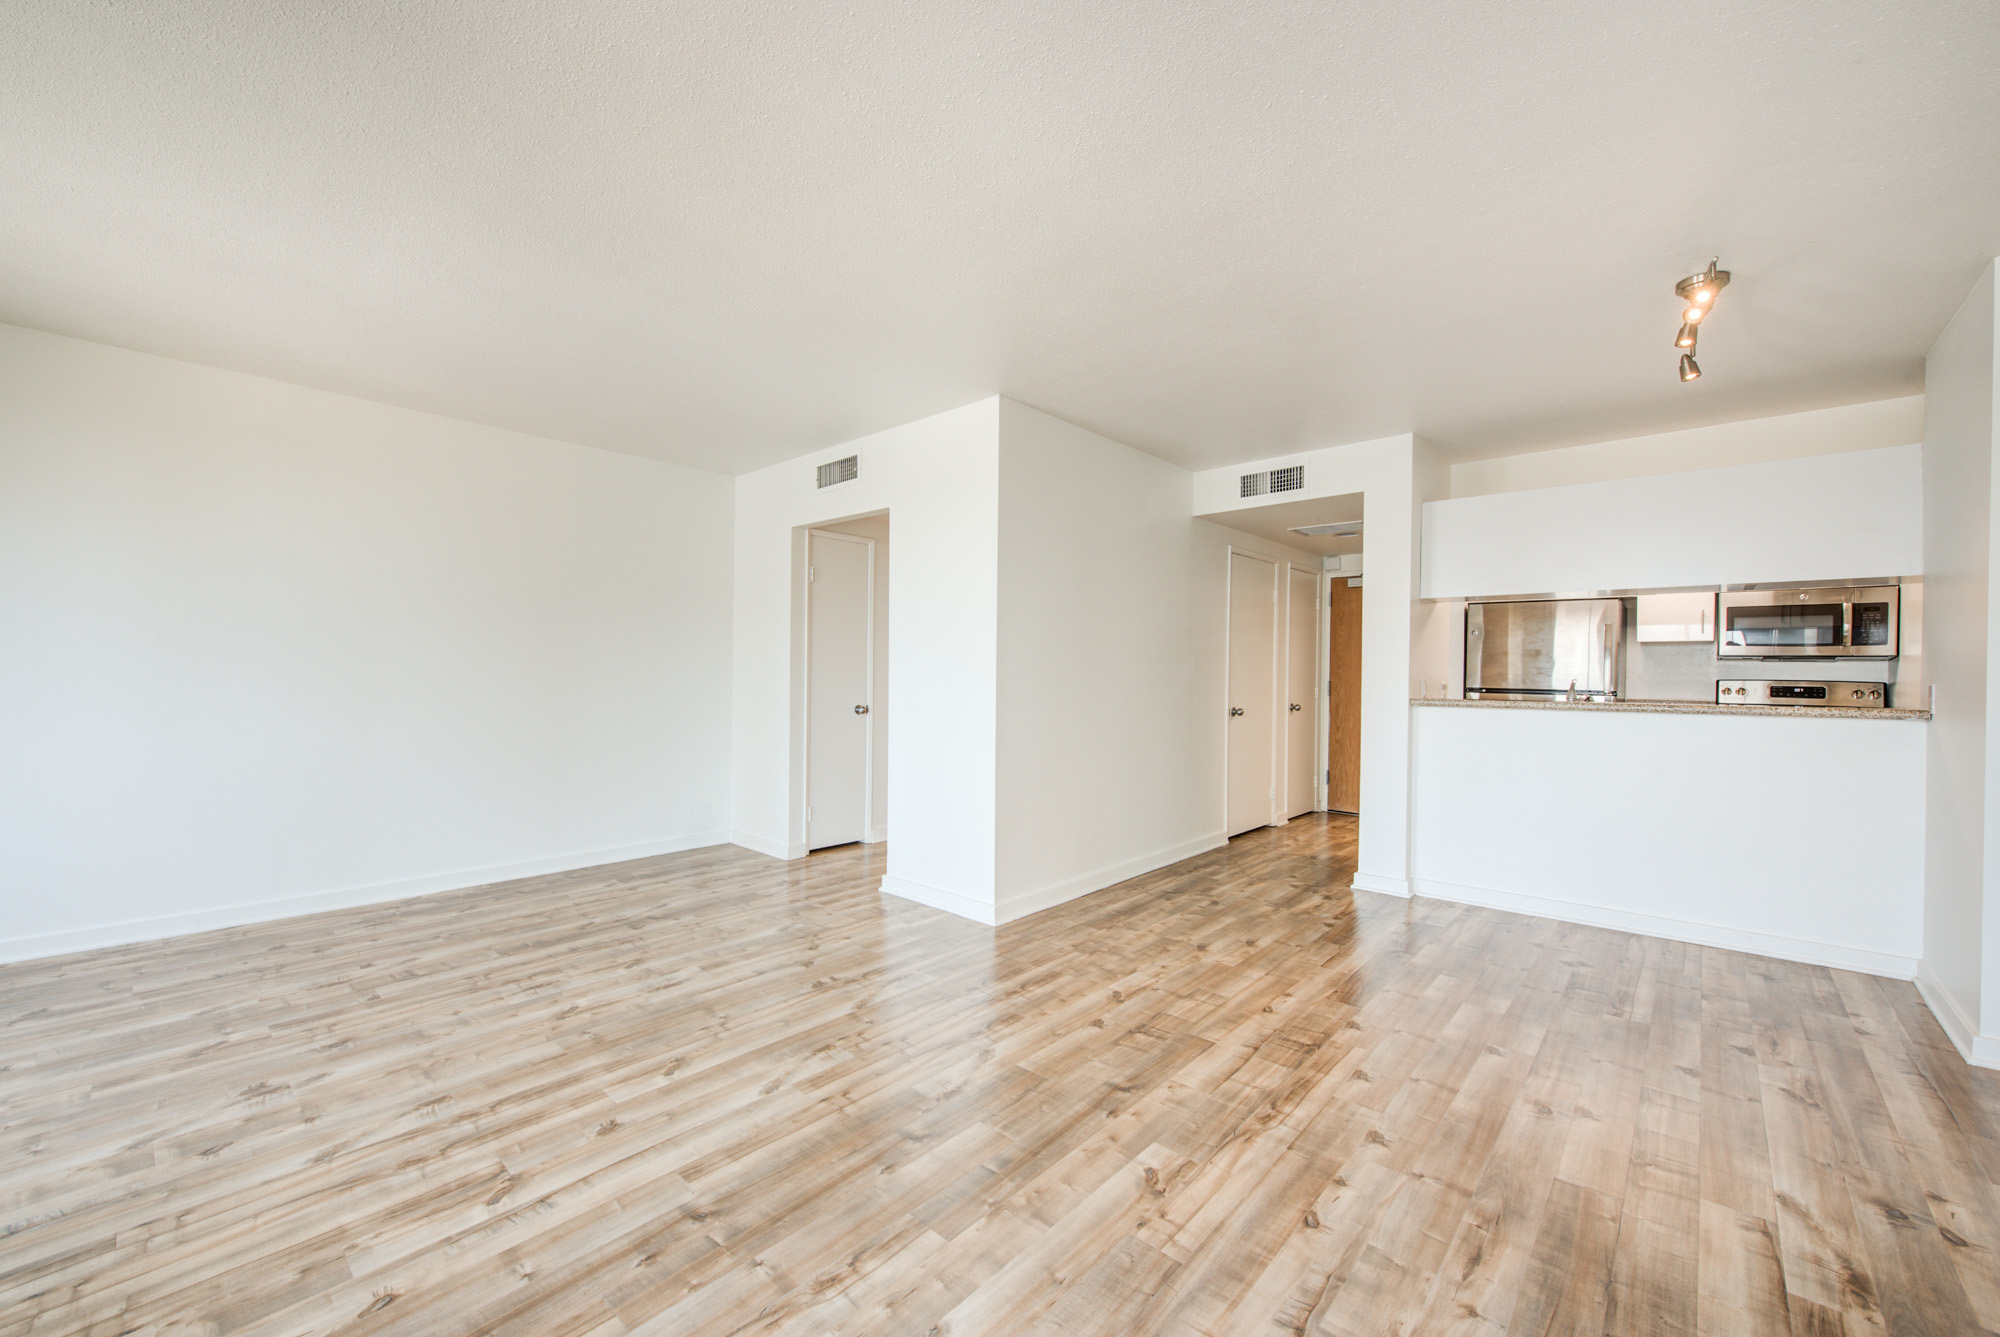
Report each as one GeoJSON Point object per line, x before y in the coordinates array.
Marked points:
{"type": "Point", "coordinates": [1699, 292]}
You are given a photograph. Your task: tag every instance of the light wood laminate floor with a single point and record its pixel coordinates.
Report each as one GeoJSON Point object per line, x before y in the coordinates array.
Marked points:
{"type": "Point", "coordinates": [717, 1093]}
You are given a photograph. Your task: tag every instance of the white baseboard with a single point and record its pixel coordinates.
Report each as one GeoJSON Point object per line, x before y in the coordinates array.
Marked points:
{"type": "Point", "coordinates": [1388, 886]}
{"type": "Point", "coordinates": [1802, 950]}
{"type": "Point", "coordinates": [1982, 1051]}
{"type": "Point", "coordinates": [937, 898]}
{"type": "Point", "coordinates": [1020, 904]}
{"type": "Point", "coordinates": [876, 836]}
{"type": "Point", "coordinates": [34, 946]}
{"type": "Point", "coordinates": [777, 849]}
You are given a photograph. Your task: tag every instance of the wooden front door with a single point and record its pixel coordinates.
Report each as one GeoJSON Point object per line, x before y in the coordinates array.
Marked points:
{"type": "Point", "coordinates": [1343, 701]}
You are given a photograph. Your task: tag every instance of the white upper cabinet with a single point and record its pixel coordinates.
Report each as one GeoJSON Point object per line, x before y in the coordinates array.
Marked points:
{"type": "Point", "coordinates": [1677, 617]}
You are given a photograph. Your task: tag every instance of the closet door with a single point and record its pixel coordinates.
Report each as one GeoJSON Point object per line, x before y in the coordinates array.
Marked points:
{"type": "Point", "coordinates": [839, 599]}
{"type": "Point", "coordinates": [1302, 694]}
{"type": "Point", "coordinates": [1253, 663]}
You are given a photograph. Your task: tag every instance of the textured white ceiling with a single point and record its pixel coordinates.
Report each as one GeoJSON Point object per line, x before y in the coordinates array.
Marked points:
{"type": "Point", "coordinates": [726, 233]}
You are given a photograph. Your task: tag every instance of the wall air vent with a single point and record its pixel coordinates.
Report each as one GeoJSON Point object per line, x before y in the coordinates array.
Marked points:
{"type": "Point", "coordinates": [1292, 478]}
{"type": "Point", "coordinates": [840, 471]}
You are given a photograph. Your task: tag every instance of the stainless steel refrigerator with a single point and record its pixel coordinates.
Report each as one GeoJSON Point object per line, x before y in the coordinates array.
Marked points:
{"type": "Point", "coordinates": [1545, 649]}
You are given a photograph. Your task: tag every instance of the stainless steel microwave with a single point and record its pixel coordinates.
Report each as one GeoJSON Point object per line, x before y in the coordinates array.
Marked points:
{"type": "Point", "coordinates": [1846, 622]}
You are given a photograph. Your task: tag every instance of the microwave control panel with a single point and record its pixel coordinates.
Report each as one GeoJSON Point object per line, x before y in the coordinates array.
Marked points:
{"type": "Point", "coordinates": [1871, 624]}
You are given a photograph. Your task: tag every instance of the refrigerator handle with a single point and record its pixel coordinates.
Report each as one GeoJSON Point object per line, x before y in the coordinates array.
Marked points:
{"type": "Point", "coordinates": [1609, 685]}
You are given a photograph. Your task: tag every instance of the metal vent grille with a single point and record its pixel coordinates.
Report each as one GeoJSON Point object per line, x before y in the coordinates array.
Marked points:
{"type": "Point", "coordinates": [1289, 479]}
{"type": "Point", "coordinates": [840, 471]}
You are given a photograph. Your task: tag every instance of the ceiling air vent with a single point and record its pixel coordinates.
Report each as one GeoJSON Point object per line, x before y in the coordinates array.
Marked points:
{"type": "Point", "coordinates": [840, 471]}
{"type": "Point", "coordinates": [1292, 478]}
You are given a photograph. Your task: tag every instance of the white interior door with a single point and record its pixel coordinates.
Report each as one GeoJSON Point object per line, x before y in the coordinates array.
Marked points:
{"type": "Point", "coordinates": [1253, 663]}
{"type": "Point", "coordinates": [1301, 692]}
{"type": "Point", "coordinates": [839, 607]}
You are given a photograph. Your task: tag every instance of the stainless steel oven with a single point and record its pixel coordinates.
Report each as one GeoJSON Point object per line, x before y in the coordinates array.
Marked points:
{"type": "Point", "coordinates": [1847, 622]}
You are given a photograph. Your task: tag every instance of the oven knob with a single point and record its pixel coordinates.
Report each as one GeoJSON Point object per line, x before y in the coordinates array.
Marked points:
{"type": "Point", "coordinates": [1875, 694]}
{"type": "Point", "coordinates": [1741, 690]}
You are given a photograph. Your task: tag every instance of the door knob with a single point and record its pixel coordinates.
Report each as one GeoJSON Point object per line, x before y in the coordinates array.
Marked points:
{"type": "Point", "coordinates": [1236, 710]}
{"type": "Point", "coordinates": [1297, 706]}
{"type": "Point", "coordinates": [861, 710]}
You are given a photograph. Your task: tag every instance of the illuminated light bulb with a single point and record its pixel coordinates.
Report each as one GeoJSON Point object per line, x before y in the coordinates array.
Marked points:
{"type": "Point", "coordinates": [1686, 337]}
{"type": "Point", "coordinates": [1703, 295]}
{"type": "Point", "coordinates": [1694, 314]}
{"type": "Point", "coordinates": [1690, 369]}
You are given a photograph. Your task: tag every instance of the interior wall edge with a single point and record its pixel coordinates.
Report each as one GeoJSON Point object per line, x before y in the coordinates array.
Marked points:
{"type": "Point", "coordinates": [937, 898]}
{"type": "Point", "coordinates": [1020, 904]}
{"type": "Point", "coordinates": [63, 942]}
{"type": "Point", "coordinates": [1981, 1051]}
{"type": "Point", "coordinates": [1805, 951]}
{"type": "Point", "coordinates": [1386, 886]}
{"type": "Point", "coordinates": [777, 849]}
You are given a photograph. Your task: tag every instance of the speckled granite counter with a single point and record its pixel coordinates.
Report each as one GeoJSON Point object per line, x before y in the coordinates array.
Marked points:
{"type": "Point", "coordinates": [1684, 708]}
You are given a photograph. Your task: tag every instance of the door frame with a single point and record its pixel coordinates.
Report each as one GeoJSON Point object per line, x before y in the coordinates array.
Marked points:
{"type": "Point", "coordinates": [804, 813]}
{"type": "Point", "coordinates": [1278, 566]}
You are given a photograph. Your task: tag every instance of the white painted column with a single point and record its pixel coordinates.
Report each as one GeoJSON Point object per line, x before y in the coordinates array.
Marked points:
{"type": "Point", "coordinates": [1960, 973]}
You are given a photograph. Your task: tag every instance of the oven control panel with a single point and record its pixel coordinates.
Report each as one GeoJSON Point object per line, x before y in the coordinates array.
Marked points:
{"type": "Point", "coordinates": [1761, 692]}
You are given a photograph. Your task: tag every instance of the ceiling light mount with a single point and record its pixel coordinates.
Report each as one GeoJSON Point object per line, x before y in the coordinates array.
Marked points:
{"type": "Point", "coordinates": [1699, 292]}
{"type": "Point", "coordinates": [1701, 288]}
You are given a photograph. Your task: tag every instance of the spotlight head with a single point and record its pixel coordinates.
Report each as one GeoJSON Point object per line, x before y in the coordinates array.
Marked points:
{"type": "Point", "coordinates": [1690, 369]}
{"type": "Point", "coordinates": [1686, 337]}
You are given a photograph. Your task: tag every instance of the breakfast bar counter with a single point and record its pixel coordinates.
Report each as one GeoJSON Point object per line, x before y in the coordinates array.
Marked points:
{"type": "Point", "coordinates": [1792, 831]}
{"type": "Point", "coordinates": [1685, 708]}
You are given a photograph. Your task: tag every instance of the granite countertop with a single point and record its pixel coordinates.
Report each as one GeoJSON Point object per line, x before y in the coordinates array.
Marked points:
{"type": "Point", "coordinates": [1684, 708]}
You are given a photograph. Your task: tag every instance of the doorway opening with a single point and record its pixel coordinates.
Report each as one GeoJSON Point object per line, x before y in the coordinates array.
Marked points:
{"type": "Point", "coordinates": [844, 798]}
{"type": "Point", "coordinates": [1293, 639]}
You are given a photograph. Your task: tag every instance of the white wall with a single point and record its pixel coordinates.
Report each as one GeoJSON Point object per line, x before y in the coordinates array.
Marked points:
{"type": "Point", "coordinates": [1961, 970]}
{"type": "Point", "coordinates": [1828, 517]}
{"type": "Point", "coordinates": [1736, 831]}
{"type": "Point", "coordinates": [1882, 422]}
{"type": "Point", "coordinates": [876, 527]}
{"type": "Point", "coordinates": [269, 650]}
{"type": "Point", "coordinates": [938, 479]}
{"type": "Point", "coordinates": [1102, 776]}
{"type": "Point", "coordinates": [1112, 639]}
{"type": "Point", "coordinates": [1395, 476]}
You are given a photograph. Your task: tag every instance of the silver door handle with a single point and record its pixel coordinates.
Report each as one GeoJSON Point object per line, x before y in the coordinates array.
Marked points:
{"type": "Point", "coordinates": [861, 710]}
{"type": "Point", "coordinates": [1297, 706]}
{"type": "Point", "coordinates": [1235, 710]}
